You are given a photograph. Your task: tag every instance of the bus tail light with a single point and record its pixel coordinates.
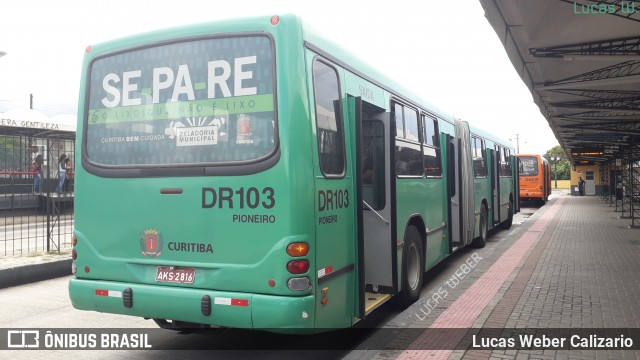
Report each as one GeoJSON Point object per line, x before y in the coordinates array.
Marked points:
{"type": "Point", "coordinates": [298, 266]}
{"type": "Point", "coordinates": [298, 283]}
{"type": "Point", "coordinates": [297, 249]}
{"type": "Point", "coordinates": [74, 254]}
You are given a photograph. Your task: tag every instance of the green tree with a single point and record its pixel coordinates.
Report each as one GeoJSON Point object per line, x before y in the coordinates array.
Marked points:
{"type": "Point", "coordinates": [560, 168]}
{"type": "Point", "coordinates": [12, 155]}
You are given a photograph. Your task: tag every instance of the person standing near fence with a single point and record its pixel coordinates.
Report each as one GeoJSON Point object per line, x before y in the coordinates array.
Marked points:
{"type": "Point", "coordinates": [36, 170]}
{"type": "Point", "coordinates": [68, 174]}
{"type": "Point", "coordinates": [62, 172]}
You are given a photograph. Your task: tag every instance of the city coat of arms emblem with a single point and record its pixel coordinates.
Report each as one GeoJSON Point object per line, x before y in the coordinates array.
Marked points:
{"type": "Point", "coordinates": [151, 243]}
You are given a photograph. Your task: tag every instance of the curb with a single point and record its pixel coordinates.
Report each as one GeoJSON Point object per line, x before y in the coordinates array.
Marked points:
{"type": "Point", "coordinates": [26, 274]}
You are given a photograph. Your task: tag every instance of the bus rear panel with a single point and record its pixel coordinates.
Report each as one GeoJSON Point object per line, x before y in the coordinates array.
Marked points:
{"type": "Point", "coordinates": [183, 197]}
{"type": "Point", "coordinates": [535, 178]}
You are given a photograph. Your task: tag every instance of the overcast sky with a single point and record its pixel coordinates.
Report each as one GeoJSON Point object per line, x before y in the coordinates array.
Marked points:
{"type": "Point", "coordinates": [445, 51]}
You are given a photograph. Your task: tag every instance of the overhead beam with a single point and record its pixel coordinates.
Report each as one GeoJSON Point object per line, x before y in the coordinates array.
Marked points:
{"type": "Point", "coordinates": [598, 119]}
{"type": "Point", "coordinates": [627, 72]}
{"type": "Point", "coordinates": [622, 104]}
{"type": "Point", "coordinates": [629, 46]}
{"type": "Point", "coordinates": [603, 130]}
{"type": "Point", "coordinates": [601, 94]}
{"type": "Point", "coordinates": [584, 84]}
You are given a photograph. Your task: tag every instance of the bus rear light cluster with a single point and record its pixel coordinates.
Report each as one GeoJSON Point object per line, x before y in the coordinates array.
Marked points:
{"type": "Point", "coordinates": [298, 266]}
{"type": "Point", "coordinates": [298, 249]}
{"type": "Point", "coordinates": [74, 254]}
{"type": "Point", "coordinates": [298, 283]}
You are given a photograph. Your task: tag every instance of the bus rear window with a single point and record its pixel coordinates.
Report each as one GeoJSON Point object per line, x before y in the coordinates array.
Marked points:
{"type": "Point", "coordinates": [200, 102]}
{"type": "Point", "coordinates": [528, 166]}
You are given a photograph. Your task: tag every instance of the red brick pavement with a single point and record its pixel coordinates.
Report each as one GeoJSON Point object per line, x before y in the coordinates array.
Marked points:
{"type": "Point", "coordinates": [466, 309]}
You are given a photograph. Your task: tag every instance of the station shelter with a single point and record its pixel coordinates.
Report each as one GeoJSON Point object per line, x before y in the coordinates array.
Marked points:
{"type": "Point", "coordinates": [24, 135]}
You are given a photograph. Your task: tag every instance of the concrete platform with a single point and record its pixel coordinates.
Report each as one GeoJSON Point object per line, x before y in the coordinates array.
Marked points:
{"type": "Point", "coordinates": [573, 265]}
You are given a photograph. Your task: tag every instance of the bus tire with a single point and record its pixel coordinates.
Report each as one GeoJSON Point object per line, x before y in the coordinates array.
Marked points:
{"type": "Point", "coordinates": [481, 240]}
{"type": "Point", "coordinates": [412, 268]}
{"type": "Point", "coordinates": [507, 224]}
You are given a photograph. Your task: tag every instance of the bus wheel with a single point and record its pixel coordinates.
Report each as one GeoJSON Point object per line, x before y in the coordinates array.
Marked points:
{"type": "Point", "coordinates": [507, 224]}
{"type": "Point", "coordinates": [412, 268]}
{"type": "Point", "coordinates": [481, 240]}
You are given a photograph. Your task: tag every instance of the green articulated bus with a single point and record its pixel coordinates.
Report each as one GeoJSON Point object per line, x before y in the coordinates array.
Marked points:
{"type": "Point", "coordinates": [251, 174]}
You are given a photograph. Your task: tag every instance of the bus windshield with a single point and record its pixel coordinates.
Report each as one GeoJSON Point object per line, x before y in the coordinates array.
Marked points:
{"type": "Point", "coordinates": [207, 101]}
{"type": "Point", "coordinates": [528, 166]}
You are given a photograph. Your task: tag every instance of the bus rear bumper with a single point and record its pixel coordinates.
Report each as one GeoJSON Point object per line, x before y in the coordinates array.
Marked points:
{"type": "Point", "coordinates": [229, 309]}
{"type": "Point", "coordinates": [531, 195]}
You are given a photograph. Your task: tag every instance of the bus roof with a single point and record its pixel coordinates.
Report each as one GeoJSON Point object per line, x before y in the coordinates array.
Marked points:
{"type": "Point", "coordinates": [486, 135]}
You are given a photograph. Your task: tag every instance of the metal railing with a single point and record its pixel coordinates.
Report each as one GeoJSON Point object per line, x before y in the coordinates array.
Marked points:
{"type": "Point", "coordinates": [33, 222]}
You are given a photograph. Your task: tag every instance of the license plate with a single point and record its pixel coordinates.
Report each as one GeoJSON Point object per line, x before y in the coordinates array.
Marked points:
{"type": "Point", "coordinates": [176, 274]}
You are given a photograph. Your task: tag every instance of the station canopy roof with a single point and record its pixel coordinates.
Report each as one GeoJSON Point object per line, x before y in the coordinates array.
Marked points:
{"type": "Point", "coordinates": [581, 62]}
{"type": "Point", "coordinates": [32, 123]}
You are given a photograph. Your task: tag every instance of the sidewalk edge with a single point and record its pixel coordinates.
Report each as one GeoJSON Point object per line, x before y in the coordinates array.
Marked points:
{"type": "Point", "coordinates": [21, 275]}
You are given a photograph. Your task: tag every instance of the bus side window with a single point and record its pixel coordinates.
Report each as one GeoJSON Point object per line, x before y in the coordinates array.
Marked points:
{"type": "Point", "coordinates": [506, 162]}
{"type": "Point", "coordinates": [502, 154]}
{"type": "Point", "coordinates": [479, 158]}
{"type": "Point", "coordinates": [373, 164]}
{"type": "Point", "coordinates": [328, 120]}
{"type": "Point", "coordinates": [431, 148]}
{"type": "Point", "coordinates": [408, 147]}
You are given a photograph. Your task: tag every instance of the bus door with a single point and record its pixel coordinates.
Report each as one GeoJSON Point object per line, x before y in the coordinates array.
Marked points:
{"type": "Point", "coordinates": [377, 226]}
{"type": "Point", "coordinates": [454, 191]}
{"type": "Point", "coordinates": [334, 197]}
{"type": "Point", "coordinates": [495, 184]}
{"type": "Point", "coordinates": [461, 193]}
{"type": "Point", "coordinates": [515, 173]}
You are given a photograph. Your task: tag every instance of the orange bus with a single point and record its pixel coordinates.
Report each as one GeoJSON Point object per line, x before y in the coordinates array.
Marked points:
{"type": "Point", "coordinates": [535, 178]}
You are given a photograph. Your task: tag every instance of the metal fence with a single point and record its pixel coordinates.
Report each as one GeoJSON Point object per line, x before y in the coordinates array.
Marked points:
{"type": "Point", "coordinates": [36, 223]}
{"type": "Point", "coordinates": [34, 219]}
